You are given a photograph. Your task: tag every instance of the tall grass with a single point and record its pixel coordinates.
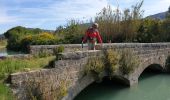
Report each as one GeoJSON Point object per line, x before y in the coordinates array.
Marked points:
{"type": "Point", "coordinates": [119, 26]}
{"type": "Point", "coordinates": [5, 93]}
{"type": "Point", "coordinates": [12, 65]}
{"type": "Point", "coordinates": [96, 66]}
{"type": "Point", "coordinates": [128, 61]}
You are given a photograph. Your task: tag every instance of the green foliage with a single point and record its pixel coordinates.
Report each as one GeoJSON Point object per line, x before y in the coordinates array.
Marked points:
{"type": "Point", "coordinates": [165, 30]}
{"type": "Point", "coordinates": [6, 93]}
{"type": "Point", "coordinates": [168, 13]}
{"type": "Point", "coordinates": [57, 52]}
{"type": "Point", "coordinates": [124, 60]}
{"type": "Point", "coordinates": [15, 36]}
{"type": "Point", "coordinates": [95, 66]}
{"type": "Point", "coordinates": [19, 38]}
{"type": "Point", "coordinates": [44, 39]}
{"type": "Point", "coordinates": [149, 31]}
{"type": "Point", "coordinates": [59, 49]}
{"type": "Point", "coordinates": [11, 65]}
{"type": "Point", "coordinates": [128, 61]}
{"type": "Point", "coordinates": [72, 33]}
{"type": "Point", "coordinates": [112, 60]}
{"type": "Point", "coordinates": [39, 39]}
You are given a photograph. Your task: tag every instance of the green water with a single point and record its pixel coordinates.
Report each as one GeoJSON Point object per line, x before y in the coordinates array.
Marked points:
{"type": "Point", "coordinates": [151, 86]}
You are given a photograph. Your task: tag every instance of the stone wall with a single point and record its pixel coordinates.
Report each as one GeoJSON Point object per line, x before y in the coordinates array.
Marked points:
{"type": "Point", "coordinates": [36, 49]}
{"type": "Point", "coordinates": [70, 70]}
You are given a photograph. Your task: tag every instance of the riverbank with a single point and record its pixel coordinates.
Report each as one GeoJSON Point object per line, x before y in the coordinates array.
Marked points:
{"type": "Point", "coordinates": [3, 43]}
{"type": "Point", "coordinates": [2, 47]}
{"type": "Point", "coordinates": [13, 65]}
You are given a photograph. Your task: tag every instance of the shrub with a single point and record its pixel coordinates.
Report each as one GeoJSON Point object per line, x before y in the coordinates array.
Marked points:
{"type": "Point", "coordinates": [112, 60]}
{"type": "Point", "coordinates": [44, 39]}
{"type": "Point", "coordinates": [57, 52]}
{"type": "Point", "coordinates": [15, 36]}
{"type": "Point", "coordinates": [39, 39]}
{"type": "Point", "coordinates": [95, 66]}
{"type": "Point", "coordinates": [25, 42]}
{"type": "Point", "coordinates": [19, 38]}
{"type": "Point", "coordinates": [58, 49]}
{"type": "Point", "coordinates": [128, 61]}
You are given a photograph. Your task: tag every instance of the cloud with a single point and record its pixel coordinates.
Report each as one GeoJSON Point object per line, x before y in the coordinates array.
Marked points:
{"type": "Point", "coordinates": [156, 7]}
{"type": "Point", "coordinates": [48, 13]}
{"type": "Point", "coordinates": [79, 8]}
{"type": "Point", "coordinates": [51, 13]}
{"type": "Point", "coordinates": [5, 18]}
{"type": "Point", "coordinates": [65, 10]}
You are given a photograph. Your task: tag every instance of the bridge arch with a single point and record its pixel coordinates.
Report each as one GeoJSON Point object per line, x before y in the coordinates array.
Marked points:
{"type": "Point", "coordinates": [152, 68]}
{"type": "Point", "coordinates": [154, 63]}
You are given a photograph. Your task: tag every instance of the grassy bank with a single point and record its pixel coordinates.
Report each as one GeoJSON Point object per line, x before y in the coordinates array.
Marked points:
{"type": "Point", "coordinates": [5, 93]}
{"type": "Point", "coordinates": [12, 65]}
{"type": "Point", "coordinates": [3, 43]}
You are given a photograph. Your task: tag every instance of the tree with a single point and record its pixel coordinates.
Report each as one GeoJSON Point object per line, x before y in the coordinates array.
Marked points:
{"type": "Point", "coordinates": [149, 31]}
{"type": "Point", "coordinates": [168, 13]}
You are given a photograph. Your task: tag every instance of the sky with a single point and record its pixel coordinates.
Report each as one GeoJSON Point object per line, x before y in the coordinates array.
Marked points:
{"type": "Point", "coordinates": [49, 14]}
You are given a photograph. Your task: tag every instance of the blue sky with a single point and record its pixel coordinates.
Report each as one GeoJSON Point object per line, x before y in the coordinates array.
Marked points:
{"type": "Point", "coordinates": [48, 14]}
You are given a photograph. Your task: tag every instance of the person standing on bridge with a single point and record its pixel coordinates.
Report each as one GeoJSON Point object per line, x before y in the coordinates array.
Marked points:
{"type": "Point", "coordinates": [92, 36]}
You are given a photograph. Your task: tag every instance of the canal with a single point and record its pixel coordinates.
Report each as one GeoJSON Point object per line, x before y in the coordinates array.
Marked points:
{"type": "Point", "coordinates": [152, 86]}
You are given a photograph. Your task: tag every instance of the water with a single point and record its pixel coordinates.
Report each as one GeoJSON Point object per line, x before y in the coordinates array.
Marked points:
{"type": "Point", "coordinates": [4, 52]}
{"type": "Point", "coordinates": [151, 86]}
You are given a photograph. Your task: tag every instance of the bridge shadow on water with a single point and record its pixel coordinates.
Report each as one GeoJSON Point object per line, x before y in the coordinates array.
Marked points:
{"type": "Point", "coordinates": [150, 72]}
{"type": "Point", "coordinates": [151, 82]}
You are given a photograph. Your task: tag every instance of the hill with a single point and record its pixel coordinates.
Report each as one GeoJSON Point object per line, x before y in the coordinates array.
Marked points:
{"type": "Point", "coordinates": [160, 16]}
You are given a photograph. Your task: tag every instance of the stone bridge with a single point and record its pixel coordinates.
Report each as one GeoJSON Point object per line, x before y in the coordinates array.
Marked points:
{"type": "Point", "coordinates": [68, 74]}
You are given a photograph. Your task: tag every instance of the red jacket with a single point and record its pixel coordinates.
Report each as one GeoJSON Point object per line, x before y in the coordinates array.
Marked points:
{"type": "Point", "coordinates": [92, 33]}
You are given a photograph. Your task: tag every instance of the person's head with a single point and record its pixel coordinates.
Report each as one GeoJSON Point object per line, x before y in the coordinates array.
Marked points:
{"type": "Point", "coordinates": [95, 25]}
